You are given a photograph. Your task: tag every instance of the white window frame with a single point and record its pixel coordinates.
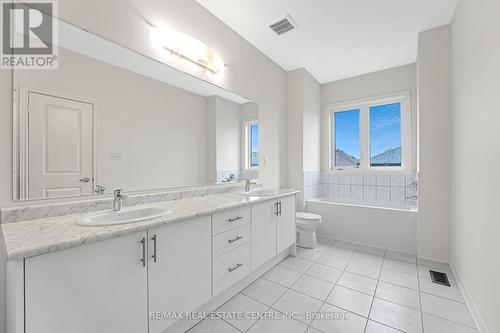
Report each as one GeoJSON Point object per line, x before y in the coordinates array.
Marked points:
{"type": "Point", "coordinates": [364, 131]}
{"type": "Point", "coordinates": [247, 148]}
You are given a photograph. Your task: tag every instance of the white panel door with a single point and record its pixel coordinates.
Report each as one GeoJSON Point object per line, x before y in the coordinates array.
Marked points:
{"type": "Point", "coordinates": [60, 147]}
{"type": "Point", "coordinates": [263, 233]}
{"type": "Point", "coordinates": [285, 225]}
{"type": "Point", "coordinates": [98, 288]}
{"type": "Point", "coordinates": [180, 270]}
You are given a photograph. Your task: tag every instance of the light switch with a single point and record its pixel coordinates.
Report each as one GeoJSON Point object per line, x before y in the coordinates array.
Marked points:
{"type": "Point", "coordinates": [116, 156]}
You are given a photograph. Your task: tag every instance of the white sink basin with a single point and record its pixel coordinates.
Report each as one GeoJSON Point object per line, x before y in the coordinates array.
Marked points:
{"type": "Point", "coordinates": [259, 192]}
{"type": "Point", "coordinates": [121, 217]}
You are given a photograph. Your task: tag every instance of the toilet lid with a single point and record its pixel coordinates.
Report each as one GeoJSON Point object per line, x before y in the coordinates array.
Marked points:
{"type": "Point", "coordinates": [308, 216]}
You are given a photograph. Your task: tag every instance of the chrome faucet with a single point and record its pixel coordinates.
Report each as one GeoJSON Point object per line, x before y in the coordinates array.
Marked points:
{"type": "Point", "coordinates": [120, 199]}
{"type": "Point", "coordinates": [248, 182]}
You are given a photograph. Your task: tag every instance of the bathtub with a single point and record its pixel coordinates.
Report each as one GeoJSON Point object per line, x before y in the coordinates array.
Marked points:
{"type": "Point", "coordinates": [391, 226]}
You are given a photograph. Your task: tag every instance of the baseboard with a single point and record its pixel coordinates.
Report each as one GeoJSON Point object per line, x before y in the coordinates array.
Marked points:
{"type": "Point", "coordinates": [433, 256]}
{"type": "Point", "coordinates": [357, 242]}
{"type": "Point", "coordinates": [469, 301]}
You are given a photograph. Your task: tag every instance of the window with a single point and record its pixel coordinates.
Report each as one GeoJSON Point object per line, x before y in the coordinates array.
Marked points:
{"type": "Point", "coordinates": [347, 149]}
{"type": "Point", "coordinates": [370, 134]}
{"type": "Point", "coordinates": [385, 135]}
{"type": "Point", "coordinates": [252, 144]}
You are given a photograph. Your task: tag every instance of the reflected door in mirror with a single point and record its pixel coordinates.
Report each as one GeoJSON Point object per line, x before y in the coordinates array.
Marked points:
{"type": "Point", "coordinates": [60, 147]}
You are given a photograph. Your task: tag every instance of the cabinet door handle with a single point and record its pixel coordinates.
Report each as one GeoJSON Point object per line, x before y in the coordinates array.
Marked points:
{"type": "Point", "coordinates": [235, 219]}
{"type": "Point", "coordinates": [232, 269]}
{"type": "Point", "coordinates": [154, 248]}
{"type": "Point", "coordinates": [143, 260]}
{"type": "Point", "coordinates": [277, 211]}
{"type": "Point", "coordinates": [279, 205]}
{"type": "Point", "coordinates": [235, 239]}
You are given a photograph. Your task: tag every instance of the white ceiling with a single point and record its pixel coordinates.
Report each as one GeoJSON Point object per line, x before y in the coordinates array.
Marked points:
{"type": "Point", "coordinates": [336, 39]}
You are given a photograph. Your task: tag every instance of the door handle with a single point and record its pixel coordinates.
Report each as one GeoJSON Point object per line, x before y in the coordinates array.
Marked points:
{"type": "Point", "coordinates": [85, 180]}
{"type": "Point", "coordinates": [143, 259]}
{"type": "Point", "coordinates": [154, 248]}
{"type": "Point", "coordinates": [279, 205]}
{"type": "Point", "coordinates": [277, 210]}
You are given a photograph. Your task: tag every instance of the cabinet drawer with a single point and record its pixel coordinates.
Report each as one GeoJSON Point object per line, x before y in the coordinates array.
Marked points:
{"type": "Point", "coordinates": [230, 219]}
{"type": "Point", "coordinates": [230, 267]}
{"type": "Point", "coordinates": [229, 240]}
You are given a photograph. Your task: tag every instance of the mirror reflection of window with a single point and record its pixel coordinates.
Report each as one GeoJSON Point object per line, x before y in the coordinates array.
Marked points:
{"type": "Point", "coordinates": [252, 144]}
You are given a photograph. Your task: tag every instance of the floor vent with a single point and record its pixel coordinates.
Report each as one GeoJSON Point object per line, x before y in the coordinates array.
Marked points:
{"type": "Point", "coordinates": [440, 278]}
{"type": "Point", "coordinates": [283, 25]}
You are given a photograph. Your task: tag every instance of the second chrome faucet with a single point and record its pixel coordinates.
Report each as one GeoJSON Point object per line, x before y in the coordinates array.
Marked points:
{"type": "Point", "coordinates": [119, 200]}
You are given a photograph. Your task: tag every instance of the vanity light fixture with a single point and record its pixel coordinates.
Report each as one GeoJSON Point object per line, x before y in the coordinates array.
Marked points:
{"type": "Point", "coordinates": [188, 47]}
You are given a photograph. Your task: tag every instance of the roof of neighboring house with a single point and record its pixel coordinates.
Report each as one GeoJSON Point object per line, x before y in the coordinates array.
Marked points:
{"type": "Point", "coordinates": [344, 159]}
{"type": "Point", "coordinates": [390, 157]}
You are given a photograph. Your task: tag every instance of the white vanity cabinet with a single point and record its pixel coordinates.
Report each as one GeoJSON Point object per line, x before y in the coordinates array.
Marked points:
{"type": "Point", "coordinates": [286, 223]}
{"type": "Point", "coordinates": [131, 283]}
{"type": "Point", "coordinates": [273, 228]}
{"type": "Point", "coordinates": [179, 269]}
{"type": "Point", "coordinates": [100, 287]}
{"type": "Point", "coordinates": [263, 232]}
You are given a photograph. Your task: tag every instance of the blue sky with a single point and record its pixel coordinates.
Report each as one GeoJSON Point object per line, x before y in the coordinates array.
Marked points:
{"type": "Point", "coordinates": [347, 132]}
{"type": "Point", "coordinates": [255, 137]}
{"type": "Point", "coordinates": [385, 129]}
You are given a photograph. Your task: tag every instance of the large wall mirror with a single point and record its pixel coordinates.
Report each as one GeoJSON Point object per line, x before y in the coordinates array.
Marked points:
{"type": "Point", "coordinates": [101, 122]}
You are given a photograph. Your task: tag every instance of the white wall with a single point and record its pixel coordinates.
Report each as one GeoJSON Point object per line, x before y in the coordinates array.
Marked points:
{"type": "Point", "coordinates": [311, 123]}
{"type": "Point", "coordinates": [434, 108]}
{"type": "Point", "coordinates": [303, 128]}
{"type": "Point", "coordinates": [159, 129]}
{"type": "Point", "coordinates": [476, 156]}
{"type": "Point", "coordinates": [294, 134]}
{"type": "Point", "coordinates": [369, 85]}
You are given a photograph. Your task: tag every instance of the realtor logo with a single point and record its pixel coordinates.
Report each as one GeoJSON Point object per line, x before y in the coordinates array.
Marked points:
{"type": "Point", "coordinates": [28, 35]}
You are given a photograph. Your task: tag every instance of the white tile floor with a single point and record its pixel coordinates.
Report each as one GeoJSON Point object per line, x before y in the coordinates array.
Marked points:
{"type": "Point", "coordinates": [346, 288]}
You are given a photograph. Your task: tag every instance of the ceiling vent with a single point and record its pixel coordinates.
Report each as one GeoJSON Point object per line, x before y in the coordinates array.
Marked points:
{"type": "Point", "coordinates": [283, 25]}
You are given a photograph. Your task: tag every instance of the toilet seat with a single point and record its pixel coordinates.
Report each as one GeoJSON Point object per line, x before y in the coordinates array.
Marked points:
{"type": "Point", "coordinates": [308, 217]}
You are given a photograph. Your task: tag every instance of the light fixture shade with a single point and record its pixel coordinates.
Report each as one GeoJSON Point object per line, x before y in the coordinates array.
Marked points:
{"type": "Point", "coordinates": [188, 47]}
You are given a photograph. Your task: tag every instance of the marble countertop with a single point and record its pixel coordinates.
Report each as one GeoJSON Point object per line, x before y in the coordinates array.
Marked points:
{"type": "Point", "coordinates": [41, 236]}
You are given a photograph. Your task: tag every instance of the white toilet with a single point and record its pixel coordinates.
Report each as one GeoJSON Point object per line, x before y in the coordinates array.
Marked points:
{"type": "Point", "coordinates": [307, 223]}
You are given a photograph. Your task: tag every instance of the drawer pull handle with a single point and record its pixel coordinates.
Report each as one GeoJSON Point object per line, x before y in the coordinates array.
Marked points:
{"type": "Point", "coordinates": [232, 269]}
{"type": "Point", "coordinates": [154, 256]}
{"type": "Point", "coordinates": [235, 219]}
{"type": "Point", "coordinates": [235, 239]}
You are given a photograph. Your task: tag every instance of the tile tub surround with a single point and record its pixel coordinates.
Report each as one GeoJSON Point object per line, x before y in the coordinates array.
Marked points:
{"type": "Point", "coordinates": [45, 210]}
{"type": "Point", "coordinates": [313, 187]}
{"type": "Point", "coordinates": [303, 285]}
{"type": "Point", "coordinates": [40, 236]}
{"type": "Point", "coordinates": [360, 187]}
